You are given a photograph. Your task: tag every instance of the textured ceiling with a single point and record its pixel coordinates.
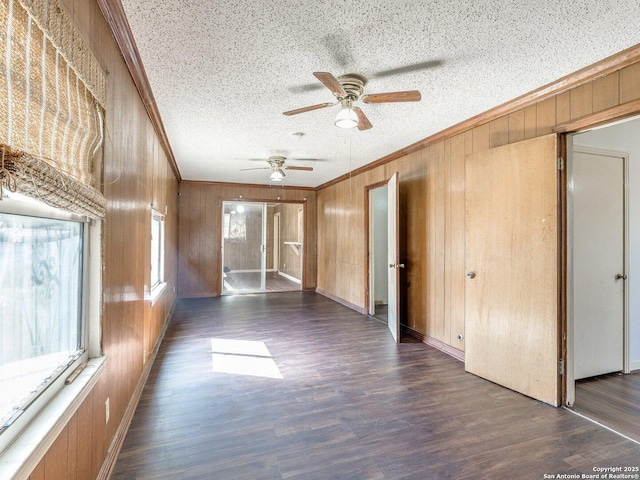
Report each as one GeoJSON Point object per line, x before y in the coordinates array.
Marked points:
{"type": "Point", "coordinates": [222, 72]}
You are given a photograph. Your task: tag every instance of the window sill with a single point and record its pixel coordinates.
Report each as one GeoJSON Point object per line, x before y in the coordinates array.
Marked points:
{"type": "Point", "coordinates": [156, 293]}
{"type": "Point", "coordinates": [19, 460]}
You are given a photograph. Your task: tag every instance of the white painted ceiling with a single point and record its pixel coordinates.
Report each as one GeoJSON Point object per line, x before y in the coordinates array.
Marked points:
{"type": "Point", "coordinates": [222, 72]}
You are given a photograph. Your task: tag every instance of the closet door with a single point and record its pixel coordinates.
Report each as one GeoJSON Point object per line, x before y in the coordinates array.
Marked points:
{"type": "Point", "coordinates": [511, 301]}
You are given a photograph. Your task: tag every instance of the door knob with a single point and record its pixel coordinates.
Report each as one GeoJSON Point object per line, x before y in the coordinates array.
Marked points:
{"type": "Point", "coordinates": [620, 276]}
{"type": "Point", "coordinates": [471, 274]}
{"type": "Point", "coordinates": [401, 265]}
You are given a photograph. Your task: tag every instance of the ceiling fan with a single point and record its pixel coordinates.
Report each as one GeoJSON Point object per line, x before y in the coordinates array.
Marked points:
{"type": "Point", "coordinates": [276, 164]}
{"type": "Point", "coordinates": [348, 89]}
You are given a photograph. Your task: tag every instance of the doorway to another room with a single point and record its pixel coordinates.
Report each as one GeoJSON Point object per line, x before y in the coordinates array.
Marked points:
{"type": "Point", "coordinates": [262, 247]}
{"type": "Point", "coordinates": [603, 341]}
{"type": "Point", "coordinates": [378, 253]}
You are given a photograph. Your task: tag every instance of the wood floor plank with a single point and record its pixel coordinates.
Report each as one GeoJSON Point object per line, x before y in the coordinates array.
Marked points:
{"type": "Point", "coordinates": [351, 404]}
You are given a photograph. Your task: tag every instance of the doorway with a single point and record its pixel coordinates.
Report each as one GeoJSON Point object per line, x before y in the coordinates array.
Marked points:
{"type": "Point", "coordinates": [262, 247]}
{"type": "Point", "coordinates": [378, 252]}
{"type": "Point", "coordinates": [603, 325]}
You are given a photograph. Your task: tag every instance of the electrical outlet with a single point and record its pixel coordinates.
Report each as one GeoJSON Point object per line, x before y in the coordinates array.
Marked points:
{"type": "Point", "coordinates": [106, 411]}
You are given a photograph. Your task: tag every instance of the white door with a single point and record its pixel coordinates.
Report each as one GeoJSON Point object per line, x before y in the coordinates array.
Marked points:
{"type": "Point", "coordinates": [598, 262]}
{"type": "Point", "coordinates": [393, 321]}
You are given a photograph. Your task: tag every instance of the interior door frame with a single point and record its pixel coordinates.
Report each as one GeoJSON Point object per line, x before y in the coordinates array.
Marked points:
{"type": "Point", "coordinates": [368, 295]}
{"type": "Point", "coordinates": [569, 336]}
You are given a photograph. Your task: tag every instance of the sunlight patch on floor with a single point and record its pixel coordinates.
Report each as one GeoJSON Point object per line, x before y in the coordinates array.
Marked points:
{"type": "Point", "coordinates": [243, 357]}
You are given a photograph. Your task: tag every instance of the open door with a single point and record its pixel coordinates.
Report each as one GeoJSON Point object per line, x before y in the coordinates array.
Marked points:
{"type": "Point", "coordinates": [393, 321]}
{"type": "Point", "coordinates": [512, 251]}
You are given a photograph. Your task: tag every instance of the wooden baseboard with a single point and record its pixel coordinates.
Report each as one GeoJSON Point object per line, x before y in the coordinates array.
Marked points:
{"type": "Point", "coordinates": [350, 305]}
{"type": "Point", "coordinates": [118, 440]}
{"type": "Point", "coordinates": [443, 347]}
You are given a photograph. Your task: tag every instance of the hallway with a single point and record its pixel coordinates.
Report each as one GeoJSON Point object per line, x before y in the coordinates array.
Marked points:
{"type": "Point", "coordinates": [293, 385]}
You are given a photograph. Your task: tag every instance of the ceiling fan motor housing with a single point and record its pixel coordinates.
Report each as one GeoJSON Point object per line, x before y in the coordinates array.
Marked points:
{"type": "Point", "coordinates": [353, 84]}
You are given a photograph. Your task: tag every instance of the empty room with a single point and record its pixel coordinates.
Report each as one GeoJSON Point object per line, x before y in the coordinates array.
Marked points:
{"type": "Point", "coordinates": [319, 240]}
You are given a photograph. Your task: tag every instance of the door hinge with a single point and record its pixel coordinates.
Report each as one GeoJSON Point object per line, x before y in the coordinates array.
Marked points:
{"type": "Point", "coordinates": [560, 367]}
{"type": "Point", "coordinates": [560, 163]}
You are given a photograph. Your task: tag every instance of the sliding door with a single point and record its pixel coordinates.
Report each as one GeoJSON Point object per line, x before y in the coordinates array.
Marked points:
{"type": "Point", "coordinates": [243, 247]}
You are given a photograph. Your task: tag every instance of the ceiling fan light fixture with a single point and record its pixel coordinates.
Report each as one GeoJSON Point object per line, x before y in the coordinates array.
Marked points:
{"type": "Point", "coordinates": [276, 176]}
{"type": "Point", "coordinates": [347, 117]}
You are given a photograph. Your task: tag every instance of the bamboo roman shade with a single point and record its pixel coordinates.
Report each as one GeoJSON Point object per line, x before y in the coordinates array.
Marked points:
{"type": "Point", "coordinates": [52, 95]}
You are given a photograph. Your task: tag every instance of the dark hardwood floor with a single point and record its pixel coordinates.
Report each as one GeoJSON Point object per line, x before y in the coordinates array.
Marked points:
{"type": "Point", "coordinates": [351, 404]}
{"type": "Point", "coordinates": [613, 400]}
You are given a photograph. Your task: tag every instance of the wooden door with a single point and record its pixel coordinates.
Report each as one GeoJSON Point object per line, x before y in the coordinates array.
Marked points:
{"type": "Point", "coordinates": [598, 262]}
{"type": "Point", "coordinates": [511, 302]}
{"type": "Point", "coordinates": [393, 211]}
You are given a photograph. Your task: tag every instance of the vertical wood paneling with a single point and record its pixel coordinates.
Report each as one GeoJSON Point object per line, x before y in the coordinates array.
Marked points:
{"type": "Point", "coordinates": [630, 83]}
{"type": "Point", "coordinates": [55, 462]}
{"type": "Point", "coordinates": [581, 100]}
{"type": "Point", "coordinates": [545, 116]}
{"type": "Point", "coordinates": [481, 138]}
{"type": "Point", "coordinates": [447, 245]}
{"type": "Point", "coordinates": [517, 126]}
{"type": "Point", "coordinates": [85, 431]}
{"type": "Point", "coordinates": [606, 92]}
{"type": "Point", "coordinates": [72, 448]}
{"type": "Point", "coordinates": [530, 121]}
{"type": "Point", "coordinates": [563, 107]}
{"type": "Point", "coordinates": [499, 132]}
{"type": "Point", "coordinates": [461, 145]}
{"type": "Point", "coordinates": [413, 214]}
{"type": "Point", "coordinates": [38, 472]}
{"type": "Point", "coordinates": [200, 226]}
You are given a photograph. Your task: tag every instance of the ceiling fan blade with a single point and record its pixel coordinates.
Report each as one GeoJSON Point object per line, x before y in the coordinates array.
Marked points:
{"type": "Point", "coordinates": [256, 168]}
{"type": "Point", "coordinates": [363, 121]}
{"type": "Point", "coordinates": [308, 169]}
{"type": "Point", "coordinates": [331, 83]}
{"type": "Point", "coordinates": [408, 68]}
{"type": "Point", "coordinates": [308, 109]}
{"type": "Point", "coordinates": [408, 96]}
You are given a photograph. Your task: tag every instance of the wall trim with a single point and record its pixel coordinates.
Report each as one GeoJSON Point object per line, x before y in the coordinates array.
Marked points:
{"type": "Point", "coordinates": [618, 112]}
{"type": "Point", "coordinates": [443, 347]}
{"type": "Point", "coordinates": [253, 185]}
{"type": "Point", "coordinates": [118, 439]}
{"type": "Point", "coordinates": [602, 68]}
{"type": "Point", "coordinates": [350, 305]}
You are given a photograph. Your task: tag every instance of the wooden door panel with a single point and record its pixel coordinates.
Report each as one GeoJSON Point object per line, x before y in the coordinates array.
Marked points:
{"type": "Point", "coordinates": [511, 306]}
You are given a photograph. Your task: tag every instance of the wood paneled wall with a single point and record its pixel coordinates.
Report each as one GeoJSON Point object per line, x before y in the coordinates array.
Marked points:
{"type": "Point", "coordinates": [290, 261]}
{"type": "Point", "coordinates": [136, 175]}
{"type": "Point", "coordinates": [200, 223]}
{"type": "Point", "coordinates": [432, 193]}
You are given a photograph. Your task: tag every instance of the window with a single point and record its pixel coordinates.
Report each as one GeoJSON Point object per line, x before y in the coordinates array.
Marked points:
{"type": "Point", "coordinates": [42, 328]}
{"type": "Point", "coordinates": [157, 255]}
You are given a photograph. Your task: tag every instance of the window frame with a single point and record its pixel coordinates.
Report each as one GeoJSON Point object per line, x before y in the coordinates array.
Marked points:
{"type": "Point", "coordinates": [37, 426]}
